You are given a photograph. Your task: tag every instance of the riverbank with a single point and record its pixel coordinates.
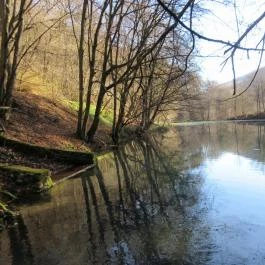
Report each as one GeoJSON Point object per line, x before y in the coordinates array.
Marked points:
{"type": "Point", "coordinates": [199, 123]}
{"type": "Point", "coordinates": [252, 117]}
{"type": "Point", "coordinates": [195, 194]}
{"type": "Point", "coordinates": [48, 122]}
{"type": "Point", "coordinates": [38, 128]}
{"type": "Point", "coordinates": [9, 156]}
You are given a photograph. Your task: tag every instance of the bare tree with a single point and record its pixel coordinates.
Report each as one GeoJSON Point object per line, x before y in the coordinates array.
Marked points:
{"type": "Point", "coordinates": [17, 19]}
{"type": "Point", "coordinates": [12, 19]}
{"type": "Point", "coordinates": [118, 43]}
{"type": "Point", "coordinates": [232, 46]}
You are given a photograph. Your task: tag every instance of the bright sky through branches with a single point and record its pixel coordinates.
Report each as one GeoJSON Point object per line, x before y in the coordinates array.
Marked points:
{"type": "Point", "coordinates": [221, 23]}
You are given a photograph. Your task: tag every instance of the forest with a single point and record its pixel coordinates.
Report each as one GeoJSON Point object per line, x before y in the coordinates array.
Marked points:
{"type": "Point", "coordinates": [107, 56]}
{"type": "Point", "coordinates": [132, 61]}
{"type": "Point", "coordinates": [115, 148]}
{"type": "Point", "coordinates": [214, 102]}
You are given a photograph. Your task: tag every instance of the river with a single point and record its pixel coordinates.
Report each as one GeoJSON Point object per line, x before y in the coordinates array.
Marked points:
{"type": "Point", "coordinates": [189, 195]}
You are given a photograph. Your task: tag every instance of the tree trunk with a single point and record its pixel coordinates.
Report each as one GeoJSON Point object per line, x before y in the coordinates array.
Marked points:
{"type": "Point", "coordinates": [81, 69]}
{"type": "Point", "coordinates": [87, 108]}
{"type": "Point", "coordinates": [95, 123]}
{"type": "Point", "coordinates": [13, 73]}
{"type": "Point", "coordinates": [4, 17]}
{"type": "Point", "coordinates": [114, 134]}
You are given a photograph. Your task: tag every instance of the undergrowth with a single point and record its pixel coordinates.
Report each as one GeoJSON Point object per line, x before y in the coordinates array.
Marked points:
{"type": "Point", "coordinates": [105, 116]}
{"type": "Point", "coordinates": [32, 81]}
{"type": "Point", "coordinates": [5, 212]}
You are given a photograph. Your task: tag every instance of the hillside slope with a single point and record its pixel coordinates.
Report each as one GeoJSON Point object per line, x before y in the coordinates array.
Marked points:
{"type": "Point", "coordinates": [220, 104]}
{"type": "Point", "coordinates": [243, 81]}
{"type": "Point", "coordinates": [39, 120]}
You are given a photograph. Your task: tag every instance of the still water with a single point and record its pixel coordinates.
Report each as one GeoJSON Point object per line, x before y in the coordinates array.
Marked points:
{"type": "Point", "coordinates": [193, 195]}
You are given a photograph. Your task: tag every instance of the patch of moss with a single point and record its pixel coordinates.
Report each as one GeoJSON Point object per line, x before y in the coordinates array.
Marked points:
{"type": "Point", "coordinates": [23, 180]}
{"type": "Point", "coordinates": [23, 169]}
{"type": "Point", "coordinates": [65, 156]}
{"type": "Point", "coordinates": [104, 156]}
{"type": "Point", "coordinates": [47, 184]}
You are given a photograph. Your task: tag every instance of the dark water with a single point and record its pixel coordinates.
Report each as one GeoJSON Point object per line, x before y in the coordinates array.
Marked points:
{"type": "Point", "coordinates": [192, 195]}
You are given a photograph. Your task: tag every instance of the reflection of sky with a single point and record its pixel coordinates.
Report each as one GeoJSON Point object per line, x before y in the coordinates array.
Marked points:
{"type": "Point", "coordinates": [235, 186]}
{"type": "Point", "coordinates": [241, 185]}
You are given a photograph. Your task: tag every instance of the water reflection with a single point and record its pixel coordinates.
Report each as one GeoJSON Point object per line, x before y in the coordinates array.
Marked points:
{"type": "Point", "coordinates": [193, 195]}
{"type": "Point", "coordinates": [143, 203]}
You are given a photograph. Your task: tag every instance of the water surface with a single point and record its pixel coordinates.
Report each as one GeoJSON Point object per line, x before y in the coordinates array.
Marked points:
{"type": "Point", "coordinates": [192, 195]}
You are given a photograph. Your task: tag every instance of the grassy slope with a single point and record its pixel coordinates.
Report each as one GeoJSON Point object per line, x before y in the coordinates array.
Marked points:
{"type": "Point", "coordinates": [105, 117]}
{"type": "Point", "coordinates": [33, 83]}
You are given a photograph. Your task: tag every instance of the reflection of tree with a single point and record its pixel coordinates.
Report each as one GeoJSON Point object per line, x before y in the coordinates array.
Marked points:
{"type": "Point", "coordinates": [246, 139]}
{"type": "Point", "coordinates": [140, 206]}
{"type": "Point", "coordinates": [144, 209]}
{"type": "Point", "coordinates": [89, 216]}
{"type": "Point", "coordinates": [20, 245]}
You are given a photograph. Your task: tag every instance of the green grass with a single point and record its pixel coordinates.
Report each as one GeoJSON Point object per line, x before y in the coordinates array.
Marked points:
{"type": "Point", "coordinates": [105, 116]}
{"type": "Point", "coordinates": [33, 80]}
{"type": "Point", "coordinates": [22, 169]}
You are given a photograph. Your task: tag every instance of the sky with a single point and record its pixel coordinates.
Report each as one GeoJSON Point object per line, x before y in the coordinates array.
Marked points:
{"type": "Point", "coordinates": [220, 23]}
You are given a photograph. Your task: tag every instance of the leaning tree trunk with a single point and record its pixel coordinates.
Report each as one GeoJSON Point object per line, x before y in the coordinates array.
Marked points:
{"type": "Point", "coordinates": [4, 18]}
{"type": "Point", "coordinates": [10, 43]}
{"type": "Point", "coordinates": [13, 73]}
{"type": "Point", "coordinates": [81, 68]}
{"type": "Point", "coordinates": [94, 126]}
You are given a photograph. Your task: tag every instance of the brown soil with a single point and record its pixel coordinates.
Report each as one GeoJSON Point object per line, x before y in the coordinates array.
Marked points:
{"type": "Point", "coordinates": [42, 121]}
{"type": "Point", "coordinates": [39, 120]}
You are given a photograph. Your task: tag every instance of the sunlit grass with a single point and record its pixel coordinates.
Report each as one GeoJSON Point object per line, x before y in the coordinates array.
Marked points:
{"type": "Point", "coordinates": [34, 83]}
{"type": "Point", "coordinates": [105, 116]}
